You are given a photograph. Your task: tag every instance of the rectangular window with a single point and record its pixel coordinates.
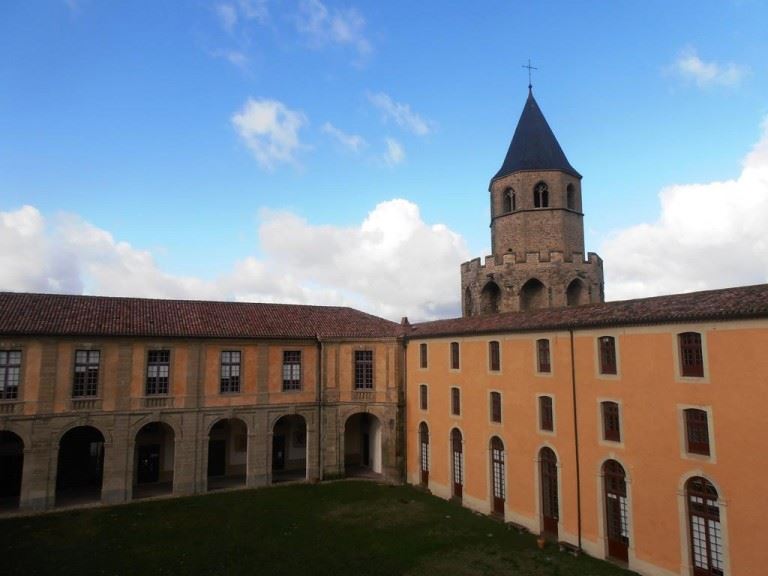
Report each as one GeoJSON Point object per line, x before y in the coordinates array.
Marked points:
{"type": "Point", "coordinates": [423, 355]}
{"type": "Point", "coordinates": [230, 371]}
{"type": "Point", "coordinates": [158, 371]}
{"type": "Point", "coordinates": [691, 357]}
{"type": "Point", "coordinates": [423, 399]}
{"type": "Point", "coordinates": [10, 371]}
{"type": "Point", "coordinates": [455, 401]}
{"type": "Point", "coordinates": [697, 431]}
{"type": "Point", "coordinates": [291, 370]}
{"type": "Point", "coordinates": [494, 356]}
{"type": "Point", "coordinates": [495, 406]}
{"type": "Point", "coordinates": [546, 417]}
{"type": "Point", "coordinates": [455, 361]}
{"type": "Point", "coordinates": [607, 354]}
{"type": "Point", "coordinates": [86, 379]}
{"type": "Point", "coordinates": [611, 423]}
{"type": "Point", "coordinates": [542, 355]}
{"type": "Point", "coordinates": [363, 369]}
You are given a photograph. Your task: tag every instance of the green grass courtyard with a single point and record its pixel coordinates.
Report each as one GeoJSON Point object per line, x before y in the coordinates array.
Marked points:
{"type": "Point", "coordinates": [350, 527]}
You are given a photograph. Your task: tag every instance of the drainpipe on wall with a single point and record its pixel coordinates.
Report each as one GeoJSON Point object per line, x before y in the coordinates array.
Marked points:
{"type": "Point", "coordinates": [319, 401]}
{"type": "Point", "coordinates": [576, 438]}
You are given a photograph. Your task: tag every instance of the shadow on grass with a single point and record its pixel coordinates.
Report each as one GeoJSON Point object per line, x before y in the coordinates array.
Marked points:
{"type": "Point", "coordinates": [349, 527]}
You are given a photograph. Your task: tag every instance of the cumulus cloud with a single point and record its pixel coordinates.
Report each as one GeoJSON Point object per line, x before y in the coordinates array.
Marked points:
{"type": "Point", "coordinates": [392, 264]}
{"type": "Point", "coordinates": [691, 68]}
{"type": "Point", "coordinates": [321, 26]}
{"type": "Point", "coordinates": [271, 130]}
{"type": "Point", "coordinates": [708, 235]}
{"type": "Point", "coordinates": [351, 142]}
{"type": "Point", "coordinates": [395, 153]}
{"type": "Point", "coordinates": [400, 113]}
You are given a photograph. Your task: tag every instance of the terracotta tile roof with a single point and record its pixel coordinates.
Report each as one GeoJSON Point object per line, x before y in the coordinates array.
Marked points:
{"type": "Point", "coordinates": [727, 304]}
{"type": "Point", "coordinates": [58, 314]}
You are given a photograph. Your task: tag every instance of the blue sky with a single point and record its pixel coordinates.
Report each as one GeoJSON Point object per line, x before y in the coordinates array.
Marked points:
{"type": "Point", "coordinates": [255, 149]}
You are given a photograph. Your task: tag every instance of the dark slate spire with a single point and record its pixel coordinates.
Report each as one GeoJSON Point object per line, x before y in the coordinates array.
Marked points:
{"type": "Point", "coordinates": [534, 146]}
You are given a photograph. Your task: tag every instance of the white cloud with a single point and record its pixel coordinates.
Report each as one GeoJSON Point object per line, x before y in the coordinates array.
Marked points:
{"type": "Point", "coordinates": [270, 130]}
{"type": "Point", "coordinates": [395, 152]}
{"type": "Point", "coordinates": [401, 114]}
{"type": "Point", "coordinates": [254, 10]}
{"type": "Point", "coordinates": [708, 235]}
{"type": "Point", "coordinates": [227, 14]}
{"type": "Point", "coordinates": [321, 27]}
{"type": "Point", "coordinates": [690, 67]}
{"type": "Point", "coordinates": [392, 264]}
{"type": "Point", "coordinates": [351, 142]}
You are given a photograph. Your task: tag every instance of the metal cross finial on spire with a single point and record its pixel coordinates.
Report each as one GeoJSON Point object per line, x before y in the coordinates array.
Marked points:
{"type": "Point", "coordinates": [530, 84]}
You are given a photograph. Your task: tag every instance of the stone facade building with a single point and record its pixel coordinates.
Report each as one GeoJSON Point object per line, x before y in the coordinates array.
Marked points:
{"type": "Point", "coordinates": [111, 399]}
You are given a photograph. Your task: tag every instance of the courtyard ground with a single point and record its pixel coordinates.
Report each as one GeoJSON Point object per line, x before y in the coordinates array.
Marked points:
{"type": "Point", "coordinates": [349, 527]}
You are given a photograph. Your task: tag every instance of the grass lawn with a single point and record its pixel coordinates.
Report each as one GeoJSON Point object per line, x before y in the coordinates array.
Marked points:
{"type": "Point", "coordinates": [333, 528]}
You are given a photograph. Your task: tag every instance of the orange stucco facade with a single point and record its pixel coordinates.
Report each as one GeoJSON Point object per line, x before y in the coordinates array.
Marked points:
{"type": "Point", "coordinates": [651, 395]}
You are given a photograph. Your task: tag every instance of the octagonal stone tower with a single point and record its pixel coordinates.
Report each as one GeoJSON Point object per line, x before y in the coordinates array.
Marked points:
{"type": "Point", "coordinates": [537, 230]}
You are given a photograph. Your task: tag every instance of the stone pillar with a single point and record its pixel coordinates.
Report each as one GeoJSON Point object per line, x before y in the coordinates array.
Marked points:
{"type": "Point", "coordinates": [259, 464]}
{"type": "Point", "coordinates": [313, 430]}
{"type": "Point", "coordinates": [116, 473]}
{"type": "Point", "coordinates": [37, 492]}
{"type": "Point", "coordinates": [187, 454]}
{"type": "Point", "coordinates": [333, 459]}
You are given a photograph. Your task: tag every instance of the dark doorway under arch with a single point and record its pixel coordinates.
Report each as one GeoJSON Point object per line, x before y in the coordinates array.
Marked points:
{"type": "Point", "coordinates": [289, 449]}
{"type": "Point", "coordinates": [80, 469]}
{"type": "Point", "coordinates": [362, 445]}
{"type": "Point", "coordinates": [11, 469]}
{"type": "Point", "coordinates": [227, 453]}
{"type": "Point", "coordinates": [153, 460]}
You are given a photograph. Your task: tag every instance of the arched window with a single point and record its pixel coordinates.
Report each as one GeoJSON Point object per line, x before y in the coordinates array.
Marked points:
{"type": "Point", "coordinates": [570, 197]}
{"type": "Point", "coordinates": [424, 453]}
{"type": "Point", "coordinates": [616, 510]}
{"type": "Point", "coordinates": [550, 506]}
{"type": "Point", "coordinates": [509, 200]}
{"type": "Point", "coordinates": [497, 474]}
{"type": "Point", "coordinates": [541, 195]}
{"type": "Point", "coordinates": [706, 536]}
{"type": "Point", "coordinates": [457, 462]}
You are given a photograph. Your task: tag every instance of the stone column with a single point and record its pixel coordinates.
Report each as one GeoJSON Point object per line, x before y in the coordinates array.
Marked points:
{"type": "Point", "coordinates": [259, 465]}
{"type": "Point", "coordinates": [187, 454]}
{"type": "Point", "coordinates": [116, 473]}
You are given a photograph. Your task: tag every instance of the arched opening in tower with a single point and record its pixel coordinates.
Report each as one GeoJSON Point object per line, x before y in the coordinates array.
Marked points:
{"type": "Point", "coordinates": [576, 293]}
{"type": "Point", "coordinates": [468, 304]}
{"type": "Point", "coordinates": [533, 295]}
{"type": "Point", "coordinates": [490, 298]}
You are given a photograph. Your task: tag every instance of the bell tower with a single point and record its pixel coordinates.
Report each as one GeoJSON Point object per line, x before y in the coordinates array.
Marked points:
{"type": "Point", "coordinates": [537, 230]}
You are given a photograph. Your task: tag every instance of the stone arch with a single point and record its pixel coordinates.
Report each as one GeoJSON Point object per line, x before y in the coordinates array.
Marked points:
{"type": "Point", "coordinates": [508, 200]}
{"type": "Point", "coordinates": [541, 195]}
{"type": "Point", "coordinates": [576, 293]}
{"type": "Point", "coordinates": [490, 298]}
{"type": "Point", "coordinates": [468, 303]}
{"type": "Point", "coordinates": [154, 459]}
{"type": "Point", "coordinates": [227, 453]}
{"type": "Point", "coordinates": [80, 465]}
{"type": "Point", "coordinates": [290, 445]}
{"type": "Point", "coordinates": [362, 444]}
{"type": "Point", "coordinates": [533, 295]}
{"type": "Point", "coordinates": [11, 469]}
